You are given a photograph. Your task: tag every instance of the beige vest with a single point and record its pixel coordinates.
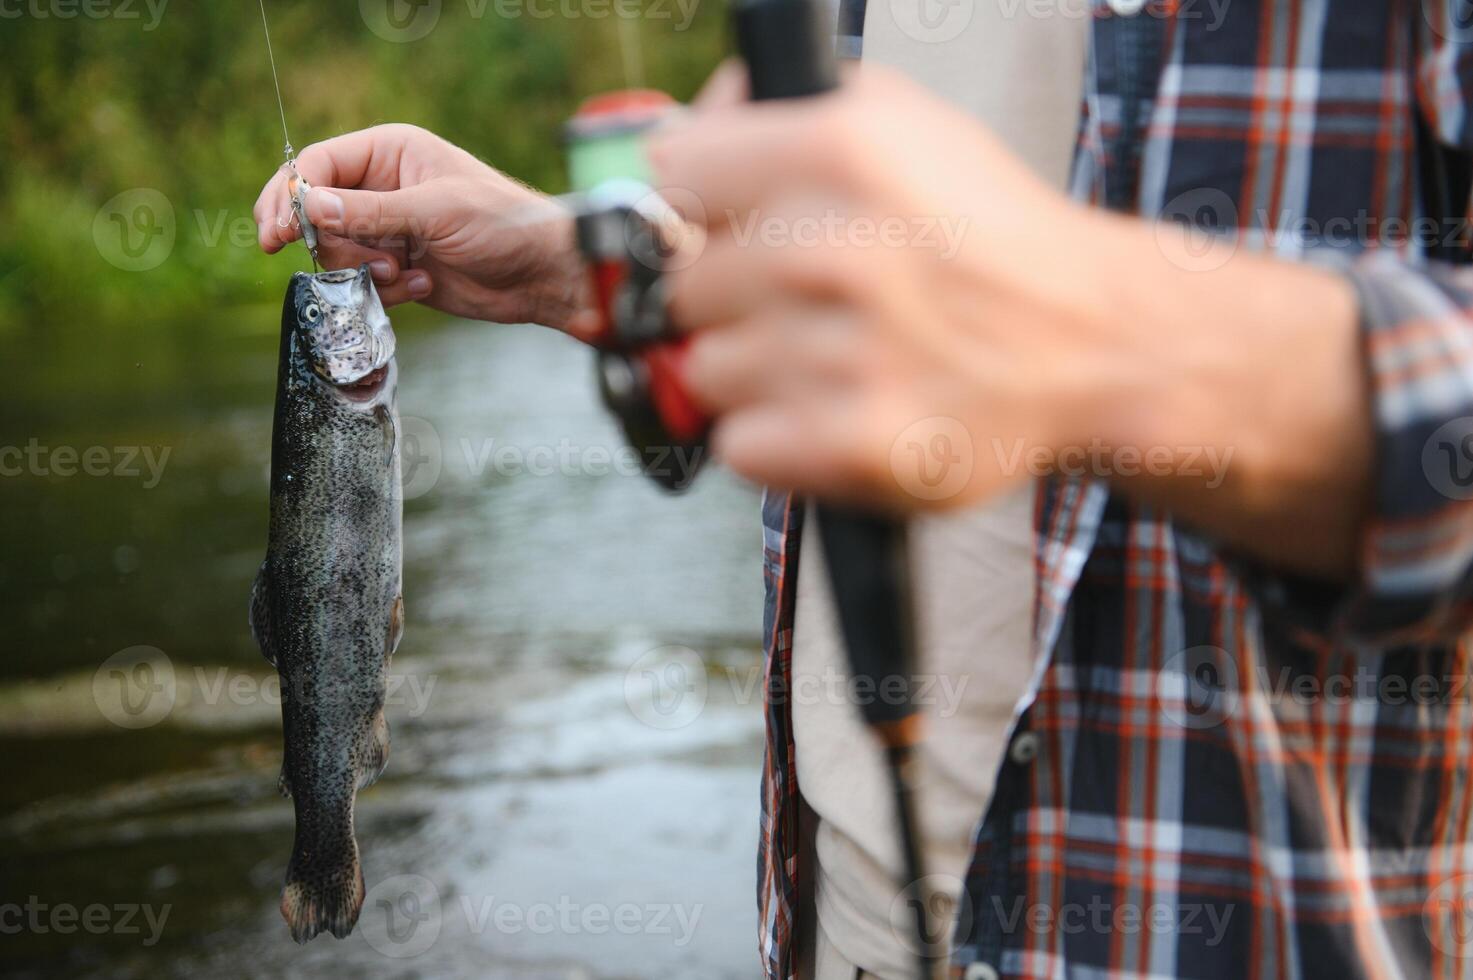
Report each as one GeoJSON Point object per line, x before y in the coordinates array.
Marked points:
{"type": "Point", "coordinates": [1020, 74]}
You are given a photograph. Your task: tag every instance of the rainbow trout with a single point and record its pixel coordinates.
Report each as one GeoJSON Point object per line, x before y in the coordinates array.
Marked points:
{"type": "Point", "coordinates": [326, 608]}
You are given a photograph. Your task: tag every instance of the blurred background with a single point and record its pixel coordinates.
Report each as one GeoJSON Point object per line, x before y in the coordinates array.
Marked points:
{"type": "Point", "coordinates": [575, 709]}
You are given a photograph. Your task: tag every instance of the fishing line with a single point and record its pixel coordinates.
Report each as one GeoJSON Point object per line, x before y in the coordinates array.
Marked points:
{"type": "Point", "coordinates": [631, 54]}
{"type": "Point", "coordinates": [280, 105]}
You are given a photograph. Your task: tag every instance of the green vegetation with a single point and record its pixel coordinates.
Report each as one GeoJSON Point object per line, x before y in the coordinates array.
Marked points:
{"type": "Point", "coordinates": [96, 106]}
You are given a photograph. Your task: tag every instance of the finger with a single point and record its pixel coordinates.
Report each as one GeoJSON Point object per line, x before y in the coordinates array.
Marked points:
{"type": "Point", "coordinates": [733, 159]}
{"type": "Point", "coordinates": [368, 216]}
{"type": "Point", "coordinates": [275, 227]}
{"type": "Point", "coordinates": [369, 158]}
{"type": "Point", "coordinates": [726, 282]}
{"type": "Point", "coordinates": [732, 280]}
{"type": "Point", "coordinates": [413, 286]}
{"type": "Point", "coordinates": [340, 253]}
{"type": "Point", "coordinates": [727, 86]}
{"type": "Point", "coordinates": [818, 447]}
{"type": "Point", "coordinates": [810, 350]}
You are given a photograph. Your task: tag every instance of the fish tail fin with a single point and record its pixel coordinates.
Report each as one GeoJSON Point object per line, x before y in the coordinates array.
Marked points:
{"type": "Point", "coordinates": [375, 751]}
{"type": "Point", "coordinates": [324, 886]}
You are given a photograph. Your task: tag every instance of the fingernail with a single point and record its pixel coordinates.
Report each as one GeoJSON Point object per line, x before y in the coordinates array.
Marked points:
{"type": "Point", "coordinates": [328, 203]}
{"type": "Point", "coordinates": [419, 284]}
{"type": "Point", "coordinates": [381, 270]}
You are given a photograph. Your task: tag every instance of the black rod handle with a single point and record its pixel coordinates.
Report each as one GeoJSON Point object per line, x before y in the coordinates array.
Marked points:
{"type": "Point", "coordinates": [869, 570]}
{"type": "Point", "coordinates": [788, 46]}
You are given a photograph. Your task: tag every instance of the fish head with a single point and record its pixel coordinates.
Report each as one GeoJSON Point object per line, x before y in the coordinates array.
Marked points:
{"type": "Point", "coordinates": [341, 326]}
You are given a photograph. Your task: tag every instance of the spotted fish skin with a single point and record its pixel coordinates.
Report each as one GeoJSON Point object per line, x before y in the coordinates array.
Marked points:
{"type": "Point", "coordinates": [327, 608]}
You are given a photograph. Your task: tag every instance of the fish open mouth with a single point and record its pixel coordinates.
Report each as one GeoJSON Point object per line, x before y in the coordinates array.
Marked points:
{"type": "Point", "coordinates": [366, 387]}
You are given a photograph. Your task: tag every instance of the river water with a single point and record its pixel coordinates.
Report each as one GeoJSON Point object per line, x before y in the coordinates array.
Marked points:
{"type": "Point", "coordinates": [572, 790]}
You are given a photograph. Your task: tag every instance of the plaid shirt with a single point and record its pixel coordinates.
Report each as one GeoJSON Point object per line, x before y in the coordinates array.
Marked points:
{"type": "Point", "coordinates": [1218, 771]}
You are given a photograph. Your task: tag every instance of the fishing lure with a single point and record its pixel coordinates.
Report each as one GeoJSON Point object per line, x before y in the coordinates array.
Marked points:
{"type": "Point", "coordinates": [298, 187]}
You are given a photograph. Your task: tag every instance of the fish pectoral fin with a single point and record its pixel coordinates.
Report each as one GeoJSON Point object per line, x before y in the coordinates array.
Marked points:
{"type": "Point", "coordinates": [396, 625]}
{"type": "Point", "coordinates": [259, 616]}
{"type": "Point", "coordinates": [388, 431]}
{"type": "Point", "coordinates": [374, 755]}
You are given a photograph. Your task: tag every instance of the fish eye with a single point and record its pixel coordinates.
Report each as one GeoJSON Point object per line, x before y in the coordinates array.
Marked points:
{"type": "Point", "coordinates": [311, 312]}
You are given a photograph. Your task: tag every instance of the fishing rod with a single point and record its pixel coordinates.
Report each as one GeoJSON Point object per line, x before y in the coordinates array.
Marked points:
{"type": "Point", "coordinates": [787, 46]}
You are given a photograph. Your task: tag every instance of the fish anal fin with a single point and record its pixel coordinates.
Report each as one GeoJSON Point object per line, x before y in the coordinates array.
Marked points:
{"type": "Point", "coordinates": [259, 615]}
{"type": "Point", "coordinates": [374, 751]}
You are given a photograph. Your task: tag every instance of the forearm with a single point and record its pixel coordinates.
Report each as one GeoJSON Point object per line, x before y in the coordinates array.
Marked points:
{"type": "Point", "coordinates": [1253, 387]}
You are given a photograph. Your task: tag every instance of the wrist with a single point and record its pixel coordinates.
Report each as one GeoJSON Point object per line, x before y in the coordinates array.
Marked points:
{"type": "Point", "coordinates": [560, 294]}
{"type": "Point", "coordinates": [1239, 374]}
{"type": "Point", "coordinates": [1100, 389]}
